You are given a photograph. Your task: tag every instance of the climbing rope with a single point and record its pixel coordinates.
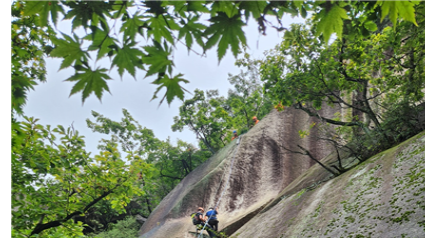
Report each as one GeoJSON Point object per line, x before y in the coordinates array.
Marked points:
{"type": "Point", "coordinates": [227, 183]}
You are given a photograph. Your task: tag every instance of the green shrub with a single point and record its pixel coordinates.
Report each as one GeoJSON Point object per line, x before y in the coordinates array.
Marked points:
{"type": "Point", "coordinates": [122, 229]}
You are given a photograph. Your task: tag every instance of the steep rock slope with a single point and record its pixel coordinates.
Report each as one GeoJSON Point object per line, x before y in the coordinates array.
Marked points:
{"type": "Point", "coordinates": [262, 169]}
{"type": "Point", "coordinates": [382, 197]}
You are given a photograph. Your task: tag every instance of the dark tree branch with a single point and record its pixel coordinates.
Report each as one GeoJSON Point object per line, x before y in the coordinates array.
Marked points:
{"type": "Point", "coordinates": [306, 152]}
{"type": "Point", "coordinates": [340, 100]}
{"type": "Point", "coordinates": [369, 110]}
{"type": "Point", "coordinates": [41, 227]}
{"type": "Point", "coordinates": [340, 123]}
{"type": "Point", "coordinates": [167, 176]}
{"type": "Point", "coordinates": [342, 70]}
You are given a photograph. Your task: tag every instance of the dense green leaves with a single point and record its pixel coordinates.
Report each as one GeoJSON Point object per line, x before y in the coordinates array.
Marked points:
{"type": "Point", "coordinates": [395, 8]}
{"type": "Point", "coordinates": [55, 179]}
{"type": "Point", "coordinates": [166, 22]}
{"type": "Point", "coordinates": [204, 115]}
{"type": "Point", "coordinates": [168, 164]}
{"type": "Point", "coordinates": [213, 118]}
{"type": "Point", "coordinates": [30, 42]}
{"type": "Point", "coordinates": [331, 21]}
{"type": "Point", "coordinates": [160, 26]}
{"type": "Point", "coordinates": [359, 75]}
{"type": "Point", "coordinates": [44, 8]}
{"type": "Point", "coordinates": [191, 29]}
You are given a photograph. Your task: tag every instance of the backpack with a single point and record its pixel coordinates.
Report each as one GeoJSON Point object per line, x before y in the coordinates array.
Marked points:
{"type": "Point", "coordinates": [195, 218]}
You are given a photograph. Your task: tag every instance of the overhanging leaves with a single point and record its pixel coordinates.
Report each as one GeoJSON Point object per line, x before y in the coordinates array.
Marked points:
{"type": "Point", "coordinates": [128, 58]}
{"type": "Point", "coordinates": [405, 9]}
{"type": "Point", "coordinates": [331, 21]}
{"type": "Point", "coordinates": [158, 60]}
{"type": "Point", "coordinates": [43, 8]}
{"type": "Point", "coordinates": [101, 42]}
{"type": "Point", "coordinates": [131, 26]}
{"type": "Point", "coordinates": [160, 27]}
{"type": "Point", "coordinates": [173, 89]}
{"type": "Point", "coordinates": [229, 31]}
{"type": "Point", "coordinates": [90, 82]}
{"type": "Point", "coordinates": [69, 49]}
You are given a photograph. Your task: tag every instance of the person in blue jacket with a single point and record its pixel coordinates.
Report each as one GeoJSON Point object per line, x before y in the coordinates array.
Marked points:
{"type": "Point", "coordinates": [212, 215]}
{"type": "Point", "coordinates": [199, 219]}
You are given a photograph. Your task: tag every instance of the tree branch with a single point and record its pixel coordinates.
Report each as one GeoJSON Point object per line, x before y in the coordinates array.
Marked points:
{"type": "Point", "coordinates": [340, 123]}
{"type": "Point", "coordinates": [41, 227]}
{"type": "Point", "coordinates": [340, 100]}
{"type": "Point", "coordinates": [306, 152]}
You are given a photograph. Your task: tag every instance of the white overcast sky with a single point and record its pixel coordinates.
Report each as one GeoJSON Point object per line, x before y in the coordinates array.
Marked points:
{"type": "Point", "coordinates": [50, 101]}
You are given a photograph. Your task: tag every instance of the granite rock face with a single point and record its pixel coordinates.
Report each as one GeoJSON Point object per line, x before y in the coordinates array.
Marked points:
{"type": "Point", "coordinates": [262, 169]}
{"type": "Point", "coordinates": [382, 197]}
{"type": "Point", "coordinates": [274, 193]}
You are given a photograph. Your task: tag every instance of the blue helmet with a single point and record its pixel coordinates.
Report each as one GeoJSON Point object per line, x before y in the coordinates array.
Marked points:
{"type": "Point", "coordinates": [234, 131]}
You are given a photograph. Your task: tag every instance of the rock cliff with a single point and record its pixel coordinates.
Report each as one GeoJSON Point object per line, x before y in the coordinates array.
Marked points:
{"type": "Point", "coordinates": [274, 193]}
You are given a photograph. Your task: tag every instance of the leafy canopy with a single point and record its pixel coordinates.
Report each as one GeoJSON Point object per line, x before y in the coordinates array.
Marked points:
{"type": "Point", "coordinates": [115, 29]}
{"type": "Point", "coordinates": [367, 79]}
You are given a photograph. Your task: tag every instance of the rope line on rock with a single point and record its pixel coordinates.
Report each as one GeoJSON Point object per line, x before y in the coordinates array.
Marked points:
{"type": "Point", "coordinates": [227, 183]}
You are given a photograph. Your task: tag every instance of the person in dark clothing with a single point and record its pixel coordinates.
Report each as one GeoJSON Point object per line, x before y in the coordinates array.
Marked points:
{"type": "Point", "coordinates": [212, 216]}
{"type": "Point", "coordinates": [201, 221]}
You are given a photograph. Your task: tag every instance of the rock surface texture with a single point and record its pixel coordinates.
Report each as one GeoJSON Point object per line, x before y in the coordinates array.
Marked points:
{"type": "Point", "coordinates": [382, 197]}
{"type": "Point", "coordinates": [274, 193]}
{"type": "Point", "coordinates": [262, 169]}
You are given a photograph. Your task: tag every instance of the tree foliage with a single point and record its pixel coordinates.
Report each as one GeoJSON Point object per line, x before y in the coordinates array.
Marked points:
{"type": "Point", "coordinates": [247, 99]}
{"type": "Point", "coordinates": [213, 118]}
{"type": "Point", "coordinates": [56, 182]}
{"type": "Point", "coordinates": [169, 163]}
{"type": "Point", "coordinates": [114, 29]}
{"type": "Point", "coordinates": [205, 116]}
{"type": "Point", "coordinates": [128, 227]}
{"type": "Point", "coordinates": [367, 77]}
{"type": "Point", "coordinates": [55, 179]}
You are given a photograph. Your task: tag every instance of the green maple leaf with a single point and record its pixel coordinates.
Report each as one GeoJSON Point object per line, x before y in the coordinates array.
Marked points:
{"type": "Point", "coordinates": [192, 29]}
{"type": "Point", "coordinates": [43, 8]}
{"type": "Point", "coordinates": [157, 58]}
{"type": "Point", "coordinates": [256, 8]}
{"type": "Point", "coordinates": [160, 27]}
{"type": "Point", "coordinates": [228, 7]}
{"type": "Point", "coordinates": [33, 7]}
{"type": "Point", "coordinates": [90, 82]}
{"type": "Point", "coordinates": [197, 6]}
{"type": "Point", "coordinates": [173, 89]}
{"type": "Point", "coordinates": [331, 21]}
{"type": "Point", "coordinates": [405, 9]}
{"type": "Point", "coordinates": [101, 42]}
{"type": "Point", "coordinates": [130, 27]}
{"type": "Point", "coordinates": [82, 12]}
{"type": "Point", "coordinates": [228, 31]}
{"type": "Point", "coordinates": [128, 58]}
{"type": "Point", "coordinates": [69, 49]}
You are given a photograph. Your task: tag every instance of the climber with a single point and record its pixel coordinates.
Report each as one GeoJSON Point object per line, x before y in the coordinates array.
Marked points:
{"type": "Point", "coordinates": [235, 135]}
{"type": "Point", "coordinates": [199, 219]}
{"type": "Point", "coordinates": [255, 120]}
{"type": "Point", "coordinates": [212, 215]}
